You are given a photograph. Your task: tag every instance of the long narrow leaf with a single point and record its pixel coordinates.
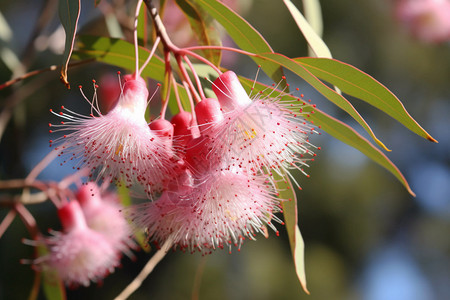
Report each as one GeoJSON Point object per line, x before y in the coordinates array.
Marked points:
{"type": "Point", "coordinates": [286, 192]}
{"type": "Point", "coordinates": [314, 40]}
{"type": "Point", "coordinates": [313, 14]}
{"type": "Point", "coordinates": [69, 12]}
{"type": "Point", "coordinates": [242, 33]}
{"type": "Point", "coordinates": [356, 83]}
{"type": "Point", "coordinates": [203, 25]}
{"type": "Point", "coordinates": [349, 136]}
{"type": "Point", "coordinates": [331, 95]}
{"type": "Point", "coordinates": [340, 131]}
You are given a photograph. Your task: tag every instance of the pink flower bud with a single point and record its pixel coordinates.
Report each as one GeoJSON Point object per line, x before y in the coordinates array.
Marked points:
{"type": "Point", "coordinates": [229, 91]}
{"type": "Point", "coordinates": [208, 112]}
{"type": "Point", "coordinates": [71, 217]}
{"type": "Point", "coordinates": [182, 128]}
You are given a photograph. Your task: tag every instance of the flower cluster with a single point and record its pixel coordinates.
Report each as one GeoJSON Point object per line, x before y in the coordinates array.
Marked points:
{"type": "Point", "coordinates": [94, 235]}
{"type": "Point", "coordinates": [210, 171]}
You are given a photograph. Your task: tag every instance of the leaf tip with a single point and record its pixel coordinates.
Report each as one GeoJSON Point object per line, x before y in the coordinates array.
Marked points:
{"type": "Point", "coordinates": [410, 191]}
{"type": "Point", "coordinates": [64, 80]}
{"type": "Point", "coordinates": [305, 289]}
{"type": "Point", "coordinates": [380, 143]}
{"type": "Point", "coordinates": [431, 139]}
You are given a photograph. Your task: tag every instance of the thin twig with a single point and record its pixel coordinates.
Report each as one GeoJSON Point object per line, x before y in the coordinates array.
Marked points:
{"type": "Point", "coordinates": [160, 29]}
{"type": "Point", "coordinates": [40, 71]}
{"type": "Point", "coordinates": [7, 221]}
{"type": "Point", "coordinates": [197, 80]}
{"type": "Point", "coordinates": [148, 268]}
{"type": "Point", "coordinates": [28, 220]}
{"type": "Point", "coordinates": [27, 75]}
{"type": "Point", "coordinates": [22, 183]}
{"type": "Point", "coordinates": [135, 38]}
{"type": "Point", "coordinates": [26, 199]}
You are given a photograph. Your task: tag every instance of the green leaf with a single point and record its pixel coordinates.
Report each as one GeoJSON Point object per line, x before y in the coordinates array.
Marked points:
{"type": "Point", "coordinates": [69, 12]}
{"type": "Point", "coordinates": [289, 204]}
{"type": "Point", "coordinates": [118, 53]}
{"type": "Point", "coordinates": [356, 83]}
{"type": "Point", "coordinates": [313, 15]}
{"type": "Point", "coordinates": [142, 26]}
{"type": "Point", "coordinates": [349, 136]}
{"type": "Point", "coordinates": [316, 43]}
{"type": "Point", "coordinates": [52, 285]}
{"type": "Point", "coordinates": [243, 34]}
{"type": "Point", "coordinates": [331, 95]}
{"type": "Point", "coordinates": [337, 129]}
{"type": "Point", "coordinates": [203, 25]}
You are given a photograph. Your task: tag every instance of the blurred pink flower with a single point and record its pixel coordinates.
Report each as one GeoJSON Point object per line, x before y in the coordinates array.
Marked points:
{"type": "Point", "coordinates": [427, 20]}
{"type": "Point", "coordinates": [103, 213]}
{"type": "Point", "coordinates": [78, 254]}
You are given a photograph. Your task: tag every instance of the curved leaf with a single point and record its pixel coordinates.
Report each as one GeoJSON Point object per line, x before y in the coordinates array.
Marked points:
{"type": "Point", "coordinates": [242, 33]}
{"type": "Point", "coordinates": [339, 130]}
{"type": "Point", "coordinates": [289, 204]}
{"type": "Point", "coordinates": [142, 26]}
{"type": "Point", "coordinates": [331, 95]}
{"type": "Point", "coordinates": [203, 25]}
{"type": "Point", "coordinates": [69, 12]}
{"type": "Point", "coordinates": [349, 136]}
{"type": "Point", "coordinates": [316, 43]}
{"type": "Point", "coordinates": [313, 15]}
{"type": "Point", "coordinates": [356, 83]}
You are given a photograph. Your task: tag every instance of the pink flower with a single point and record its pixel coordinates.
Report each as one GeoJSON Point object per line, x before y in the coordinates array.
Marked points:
{"type": "Point", "coordinates": [427, 20]}
{"type": "Point", "coordinates": [102, 211]}
{"type": "Point", "coordinates": [119, 145]}
{"type": "Point", "coordinates": [78, 254]}
{"type": "Point", "coordinates": [215, 211]}
{"type": "Point", "coordinates": [263, 133]}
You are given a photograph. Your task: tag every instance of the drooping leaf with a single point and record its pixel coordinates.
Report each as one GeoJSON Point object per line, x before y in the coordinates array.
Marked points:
{"type": "Point", "coordinates": [356, 83]}
{"type": "Point", "coordinates": [316, 43]}
{"type": "Point", "coordinates": [242, 33]}
{"type": "Point", "coordinates": [142, 26]}
{"type": "Point", "coordinates": [69, 12]}
{"type": "Point", "coordinates": [313, 15]}
{"type": "Point", "coordinates": [289, 205]}
{"type": "Point", "coordinates": [203, 25]}
{"type": "Point", "coordinates": [349, 136]}
{"type": "Point", "coordinates": [337, 129]}
{"type": "Point", "coordinates": [330, 94]}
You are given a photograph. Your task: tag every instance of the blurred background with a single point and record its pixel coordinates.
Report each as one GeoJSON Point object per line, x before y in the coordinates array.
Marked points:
{"type": "Point", "coordinates": [365, 236]}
